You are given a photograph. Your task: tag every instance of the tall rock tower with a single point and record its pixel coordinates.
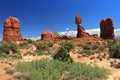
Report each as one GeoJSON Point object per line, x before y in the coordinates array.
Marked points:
{"type": "Point", "coordinates": [12, 30]}
{"type": "Point", "coordinates": [107, 29]}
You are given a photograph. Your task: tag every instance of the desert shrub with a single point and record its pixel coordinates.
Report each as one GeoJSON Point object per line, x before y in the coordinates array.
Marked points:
{"type": "Point", "coordinates": [3, 55]}
{"type": "Point", "coordinates": [10, 46]}
{"type": "Point", "coordinates": [68, 45]}
{"type": "Point", "coordinates": [114, 50]}
{"type": "Point", "coordinates": [41, 47]}
{"type": "Point", "coordinates": [24, 45]}
{"type": "Point", "coordinates": [87, 52]}
{"type": "Point", "coordinates": [57, 70]}
{"type": "Point", "coordinates": [50, 44]}
{"type": "Point", "coordinates": [89, 46]}
{"type": "Point", "coordinates": [62, 55]}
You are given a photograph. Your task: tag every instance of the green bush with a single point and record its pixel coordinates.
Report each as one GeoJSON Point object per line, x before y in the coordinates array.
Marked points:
{"type": "Point", "coordinates": [24, 45]}
{"type": "Point", "coordinates": [68, 45]}
{"type": "Point", "coordinates": [50, 44]}
{"type": "Point", "coordinates": [114, 50]}
{"type": "Point", "coordinates": [41, 47]}
{"type": "Point", "coordinates": [62, 55]}
{"type": "Point", "coordinates": [89, 46]}
{"type": "Point", "coordinates": [7, 47]}
{"type": "Point", "coordinates": [57, 70]}
{"type": "Point", "coordinates": [3, 55]}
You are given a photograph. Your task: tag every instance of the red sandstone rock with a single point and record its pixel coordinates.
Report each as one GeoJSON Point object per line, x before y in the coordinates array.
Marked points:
{"type": "Point", "coordinates": [78, 20]}
{"type": "Point", "coordinates": [66, 37]}
{"type": "Point", "coordinates": [47, 35]}
{"type": "Point", "coordinates": [56, 35]}
{"type": "Point", "coordinates": [107, 29]}
{"type": "Point", "coordinates": [80, 30]}
{"type": "Point", "coordinates": [12, 30]}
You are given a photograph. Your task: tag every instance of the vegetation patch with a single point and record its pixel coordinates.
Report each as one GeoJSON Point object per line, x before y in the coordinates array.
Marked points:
{"type": "Point", "coordinates": [68, 45]}
{"type": "Point", "coordinates": [62, 55]}
{"type": "Point", "coordinates": [114, 49]}
{"type": "Point", "coordinates": [57, 70]}
{"type": "Point", "coordinates": [8, 48]}
{"type": "Point", "coordinates": [41, 47]}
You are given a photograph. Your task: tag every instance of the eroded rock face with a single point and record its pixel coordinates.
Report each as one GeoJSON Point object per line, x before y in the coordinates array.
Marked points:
{"type": "Point", "coordinates": [56, 35]}
{"type": "Point", "coordinates": [12, 30]}
{"type": "Point", "coordinates": [80, 30]}
{"type": "Point", "coordinates": [47, 35]}
{"type": "Point", "coordinates": [107, 29]}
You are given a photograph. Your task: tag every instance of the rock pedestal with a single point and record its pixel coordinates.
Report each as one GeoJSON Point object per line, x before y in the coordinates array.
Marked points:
{"type": "Point", "coordinates": [80, 30]}
{"type": "Point", "coordinates": [107, 29]}
{"type": "Point", "coordinates": [12, 30]}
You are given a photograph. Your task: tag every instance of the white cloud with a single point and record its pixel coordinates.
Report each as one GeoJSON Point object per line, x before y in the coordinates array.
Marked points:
{"type": "Point", "coordinates": [68, 33]}
{"type": "Point", "coordinates": [90, 31]}
{"type": "Point", "coordinates": [35, 38]}
{"type": "Point", "coordinates": [67, 29]}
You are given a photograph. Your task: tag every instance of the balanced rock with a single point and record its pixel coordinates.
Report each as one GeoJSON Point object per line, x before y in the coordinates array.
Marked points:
{"type": "Point", "coordinates": [80, 30]}
{"type": "Point", "coordinates": [12, 30]}
{"type": "Point", "coordinates": [107, 29]}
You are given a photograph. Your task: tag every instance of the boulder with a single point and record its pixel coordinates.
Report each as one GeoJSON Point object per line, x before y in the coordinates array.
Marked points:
{"type": "Point", "coordinates": [107, 29]}
{"type": "Point", "coordinates": [11, 32]}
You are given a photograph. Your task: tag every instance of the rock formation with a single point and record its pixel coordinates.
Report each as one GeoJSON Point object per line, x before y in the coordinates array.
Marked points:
{"type": "Point", "coordinates": [80, 30]}
{"type": "Point", "coordinates": [107, 29]}
{"type": "Point", "coordinates": [47, 36]}
{"type": "Point", "coordinates": [12, 30]}
{"type": "Point", "coordinates": [56, 35]}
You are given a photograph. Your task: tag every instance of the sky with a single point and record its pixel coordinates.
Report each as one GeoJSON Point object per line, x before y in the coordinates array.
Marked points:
{"type": "Point", "coordinates": [37, 16]}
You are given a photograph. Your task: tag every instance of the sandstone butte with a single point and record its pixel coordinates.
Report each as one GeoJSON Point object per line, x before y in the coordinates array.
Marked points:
{"type": "Point", "coordinates": [11, 32]}
{"type": "Point", "coordinates": [107, 29]}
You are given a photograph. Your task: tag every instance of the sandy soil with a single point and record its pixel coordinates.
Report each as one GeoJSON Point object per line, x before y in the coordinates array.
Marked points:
{"type": "Point", "coordinates": [3, 75]}
{"type": "Point", "coordinates": [115, 73]}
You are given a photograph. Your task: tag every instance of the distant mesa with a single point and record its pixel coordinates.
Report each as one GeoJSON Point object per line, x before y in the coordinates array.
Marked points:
{"type": "Point", "coordinates": [107, 29]}
{"type": "Point", "coordinates": [11, 31]}
{"type": "Point", "coordinates": [80, 29]}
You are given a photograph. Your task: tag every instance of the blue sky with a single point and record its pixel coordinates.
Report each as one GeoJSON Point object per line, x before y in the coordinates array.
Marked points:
{"type": "Point", "coordinates": [57, 15]}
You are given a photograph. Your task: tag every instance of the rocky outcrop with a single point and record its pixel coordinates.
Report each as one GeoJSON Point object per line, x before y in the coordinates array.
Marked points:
{"type": "Point", "coordinates": [80, 30]}
{"type": "Point", "coordinates": [56, 35]}
{"type": "Point", "coordinates": [12, 30]}
{"type": "Point", "coordinates": [107, 29]}
{"type": "Point", "coordinates": [47, 36]}
{"type": "Point", "coordinates": [50, 36]}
